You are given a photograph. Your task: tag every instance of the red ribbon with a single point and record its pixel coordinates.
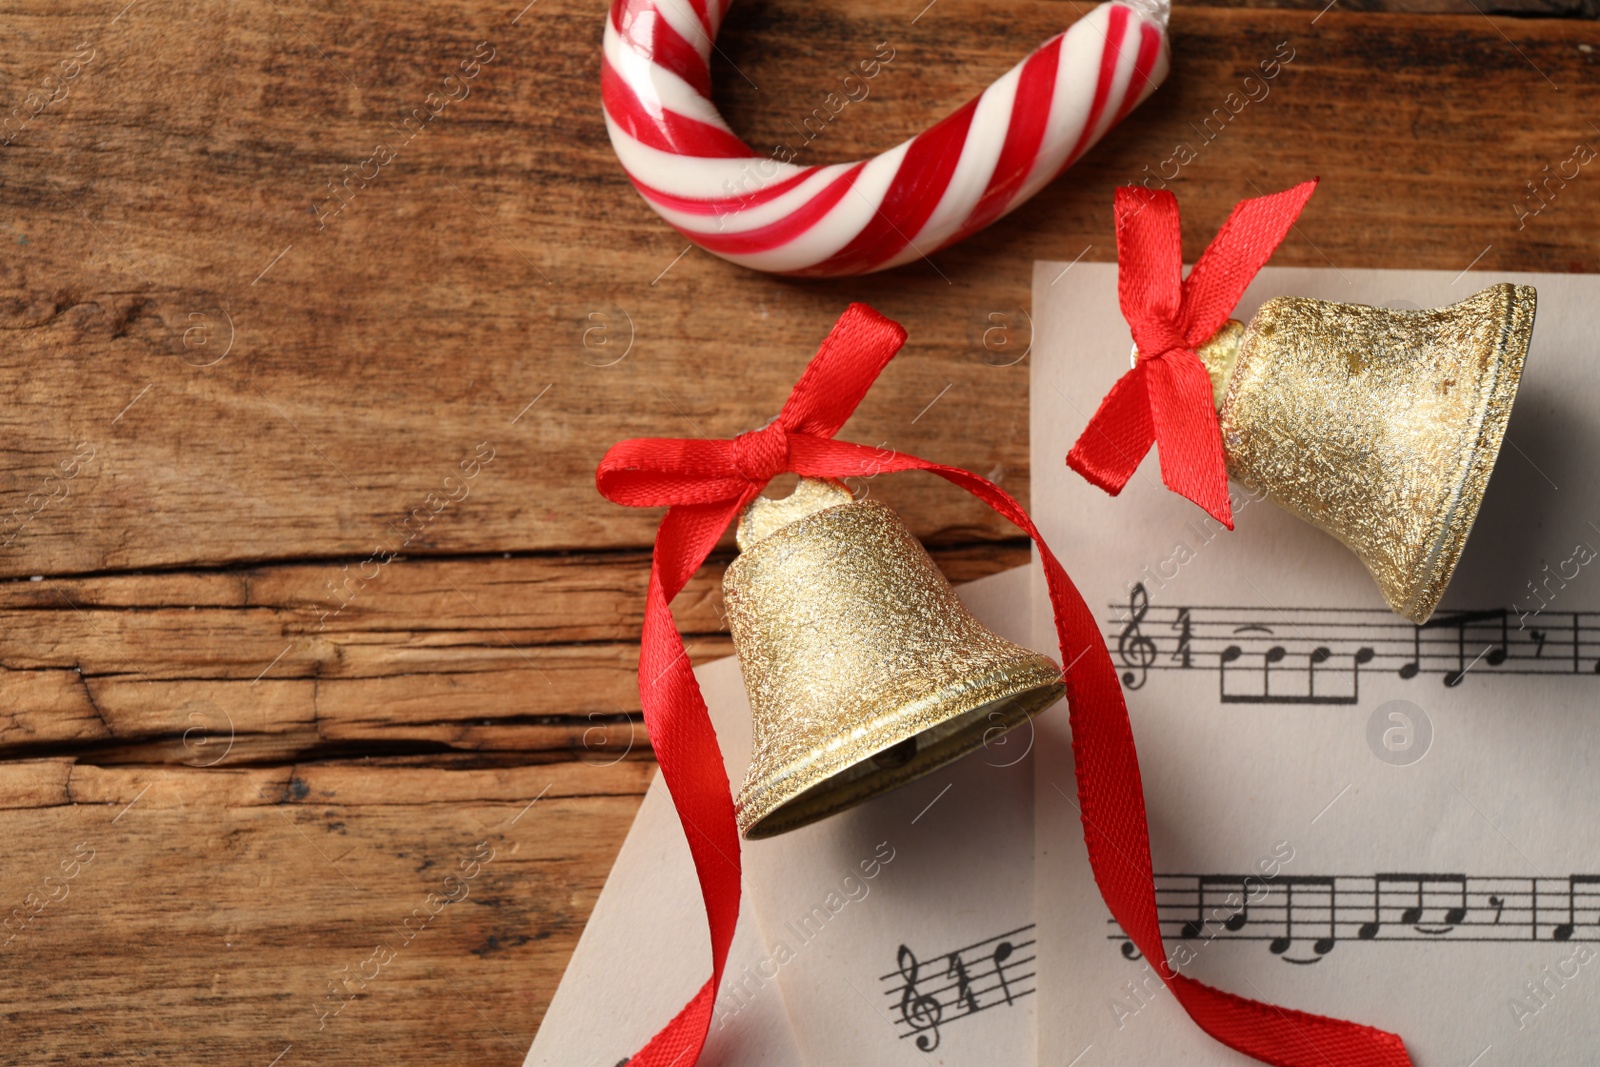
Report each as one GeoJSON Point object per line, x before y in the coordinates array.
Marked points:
{"type": "Point", "coordinates": [706, 483]}
{"type": "Point", "coordinates": [1166, 397]}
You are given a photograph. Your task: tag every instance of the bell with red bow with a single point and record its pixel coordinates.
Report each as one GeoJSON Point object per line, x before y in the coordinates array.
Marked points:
{"type": "Point", "coordinates": [863, 667]}
{"type": "Point", "coordinates": [1378, 426]}
{"type": "Point", "coordinates": [865, 670]}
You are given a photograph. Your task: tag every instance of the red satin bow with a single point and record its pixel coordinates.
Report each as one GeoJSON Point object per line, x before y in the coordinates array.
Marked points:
{"type": "Point", "coordinates": [706, 483]}
{"type": "Point", "coordinates": [1166, 397]}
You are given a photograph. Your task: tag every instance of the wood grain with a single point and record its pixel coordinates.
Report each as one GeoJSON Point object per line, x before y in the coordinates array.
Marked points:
{"type": "Point", "coordinates": [190, 155]}
{"type": "Point", "coordinates": [200, 916]}
{"type": "Point", "coordinates": [222, 400]}
{"type": "Point", "coordinates": [520, 658]}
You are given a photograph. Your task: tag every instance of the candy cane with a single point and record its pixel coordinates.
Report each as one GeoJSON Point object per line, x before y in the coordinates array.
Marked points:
{"type": "Point", "coordinates": [852, 218]}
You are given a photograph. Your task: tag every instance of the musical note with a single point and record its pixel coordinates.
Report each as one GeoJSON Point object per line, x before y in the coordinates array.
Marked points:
{"type": "Point", "coordinates": [1452, 916]}
{"type": "Point", "coordinates": [921, 1011]}
{"type": "Point", "coordinates": [1133, 647]}
{"type": "Point", "coordinates": [1414, 668]}
{"type": "Point", "coordinates": [1411, 914]}
{"type": "Point", "coordinates": [1280, 946]}
{"type": "Point", "coordinates": [1369, 930]}
{"type": "Point", "coordinates": [1237, 901]}
{"type": "Point", "coordinates": [1002, 952]}
{"type": "Point", "coordinates": [1361, 656]}
{"type": "Point", "coordinates": [1277, 654]}
{"type": "Point", "coordinates": [1320, 654]}
{"type": "Point", "coordinates": [1491, 655]}
{"type": "Point", "coordinates": [1565, 931]}
{"type": "Point", "coordinates": [1234, 653]}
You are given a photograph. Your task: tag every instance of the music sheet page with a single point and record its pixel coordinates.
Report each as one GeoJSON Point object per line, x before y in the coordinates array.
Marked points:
{"type": "Point", "coordinates": [901, 931]}
{"type": "Point", "coordinates": [1349, 814]}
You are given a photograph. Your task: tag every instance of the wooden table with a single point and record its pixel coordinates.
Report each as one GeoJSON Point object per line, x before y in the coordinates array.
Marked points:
{"type": "Point", "coordinates": [317, 642]}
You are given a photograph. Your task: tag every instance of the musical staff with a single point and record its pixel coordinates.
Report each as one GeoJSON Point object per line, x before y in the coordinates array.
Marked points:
{"type": "Point", "coordinates": [1304, 917]}
{"type": "Point", "coordinates": [937, 991]}
{"type": "Point", "coordinates": [1321, 655]}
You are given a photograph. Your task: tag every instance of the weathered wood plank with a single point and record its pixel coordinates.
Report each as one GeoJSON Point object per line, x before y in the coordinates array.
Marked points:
{"type": "Point", "coordinates": [526, 654]}
{"type": "Point", "coordinates": [225, 916]}
{"type": "Point", "coordinates": [372, 359]}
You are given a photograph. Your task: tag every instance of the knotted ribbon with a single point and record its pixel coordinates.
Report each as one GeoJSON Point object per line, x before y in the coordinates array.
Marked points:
{"type": "Point", "coordinates": [1166, 398]}
{"type": "Point", "coordinates": [705, 483]}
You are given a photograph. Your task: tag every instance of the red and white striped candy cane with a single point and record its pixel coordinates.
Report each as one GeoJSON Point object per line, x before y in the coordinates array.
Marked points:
{"type": "Point", "coordinates": [852, 218]}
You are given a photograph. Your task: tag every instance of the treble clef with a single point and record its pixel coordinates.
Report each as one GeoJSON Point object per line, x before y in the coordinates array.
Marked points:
{"type": "Point", "coordinates": [921, 1011]}
{"type": "Point", "coordinates": [1134, 648]}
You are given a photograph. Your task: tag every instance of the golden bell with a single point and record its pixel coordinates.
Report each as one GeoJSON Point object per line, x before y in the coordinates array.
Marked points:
{"type": "Point", "coordinates": [864, 669]}
{"type": "Point", "coordinates": [1378, 426]}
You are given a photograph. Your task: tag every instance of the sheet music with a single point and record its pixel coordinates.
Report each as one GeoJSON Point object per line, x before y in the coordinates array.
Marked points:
{"type": "Point", "coordinates": [1318, 655]}
{"type": "Point", "coordinates": [995, 972]}
{"type": "Point", "coordinates": [905, 922]}
{"type": "Point", "coordinates": [1349, 814]}
{"type": "Point", "coordinates": [1386, 906]}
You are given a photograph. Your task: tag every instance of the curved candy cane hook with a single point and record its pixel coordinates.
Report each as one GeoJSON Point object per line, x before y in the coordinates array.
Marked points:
{"type": "Point", "coordinates": [944, 184]}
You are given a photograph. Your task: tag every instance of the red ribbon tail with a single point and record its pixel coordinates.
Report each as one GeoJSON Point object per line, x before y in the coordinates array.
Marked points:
{"type": "Point", "coordinates": [1240, 249]}
{"type": "Point", "coordinates": [691, 763]}
{"type": "Point", "coordinates": [1283, 1035]}
{"type": "Point", "coordinates": [678, 1043]}
{"type": "Point", "coordinates": [852, 356]}
{"type": "Point", "coordinates": [1192, 462]}
{"type": "Point", "coordinates": [1118, 436]}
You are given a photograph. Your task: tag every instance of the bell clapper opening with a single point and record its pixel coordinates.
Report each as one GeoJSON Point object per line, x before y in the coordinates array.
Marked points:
{"type": "Point", "coordinates": [897, 755]}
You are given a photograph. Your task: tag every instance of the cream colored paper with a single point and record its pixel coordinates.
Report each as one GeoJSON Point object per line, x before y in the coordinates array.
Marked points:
{"type": "Point", "coordinates": [951, 864]}
{"type": "Point", "coordinates": [956, 870]}
{"type": "Point", "coordinates": [646, 950]}
{"type": "Point", "coordinates": [644, 953]}
{"type": "Point", "coordinates": [1505, 794]}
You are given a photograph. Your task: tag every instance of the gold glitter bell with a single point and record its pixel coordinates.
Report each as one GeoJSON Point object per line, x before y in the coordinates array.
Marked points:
{"type": "Point", "coordinates": [1378, 426]}
{"type": "Point", "coordinates": [864, 669]}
